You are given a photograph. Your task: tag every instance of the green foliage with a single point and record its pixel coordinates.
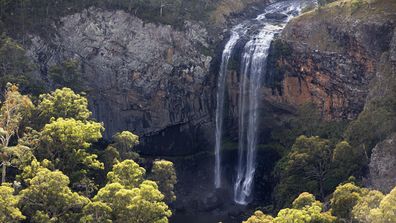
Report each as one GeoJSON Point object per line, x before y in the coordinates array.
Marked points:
{"type": "Point", "coordinates": [315, 164]}
{"type": "Point", "coordinates": [377, 120]}
{"type": "Point", "coordinates": [127, 173]}
{"type": "Point", "coordinates": [63, 103]}
{"type": "Point", "coordinates": [370, 201]}
{"type": "Point", "coordinates": [310, 159]}
{"type": "Point", "coordinates": [110, 156]}
{"type": "Point", "coordinates": [9, 211]}
{"type": "Point", "coordinates": [36, 16]}
{"type": "Point", "coordinates": [259, 217]}
{"type": "Point", "coordinates": [349, 203]}
{"type": "Point", "coordinates": [18, 156]}
{"type": "Point", "coordinates": [164, 174]}
{"type": "Point", "coordinates": [15, 66]}
{"type": "Point", "coordinates": [96, 212]}
{"type": "Point", "coordinates": [66, 74]}
{"type": "Point", "coordinates": [310, 214]}
{"type": "Point", "coordinates": [356, 4]}
{"type": "Point", "coordinates": [30, 171]}
{"type": "Point", "coordinates": [304, 199]}
{"type": "Point", "coordinates": [325, 2]}
{"type": "Point", "coordinates": [49, 199]}
{"type": "Point", "coordinates": [13, 111]}
{"type": "Point", "coordinates": [124, 143]}
{"type": "Point", "coordinates": [130, 197]}
{"type": "Point", "coordinates": [307, 121]}
{"type": "Point", "coordinates": [386, 212]}
{"type": "Point", "coordinates": [136, 205]}
{"type": "Point", "coordinates": [345, 197]}
{"type": "Point", "coordinates": [65, 142]}
{"type": "Point", "coordinates": [306, 209]}
{"type": "Point", "coordinates": [348, 160]}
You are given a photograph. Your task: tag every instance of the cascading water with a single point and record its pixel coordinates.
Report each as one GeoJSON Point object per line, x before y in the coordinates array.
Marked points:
{"type": "Point", "coordinates": [254, 63]}
{"type": "Point", "coordinates": [253, 67]}
{"type": "Point", "coordinates": [227, 52]}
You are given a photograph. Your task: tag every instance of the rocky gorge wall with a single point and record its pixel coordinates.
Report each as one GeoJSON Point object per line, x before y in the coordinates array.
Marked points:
{"type": "Point", "coordinates": [139, 76]}
{"type": "Point", "coordinates": [329, 56]}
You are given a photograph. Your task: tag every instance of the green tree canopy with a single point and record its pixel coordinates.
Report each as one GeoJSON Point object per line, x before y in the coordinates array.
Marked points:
{"type": "Point", "coordinates": [348, 160]}
{"type": "Point", "coordinates": [143, 204]}
{"type": "Point", "coordinates": [65, 142]}
{"type": "Point", "coordinates": [15, 65]}
{"type": "Point", "coordinates": [49, 199]}
{"type": "Point", "coordinates": [124, 143]}
{"type": "Point", "coordinates": [259, 217]}
{"type": "Point", "coordinates": [9, 211]}
{"type": "Point", "coordinates": [66, 74]}
{"type": "Point", "coordinates": [306, 209]}
{"type": "Point", "coordinates": [13, 110]}
{"type": "Point", "coordinates": [164, 174]}
{"type": "Point", "coordinates": [63, 103]}
{"type": "Point", "coordinates": [304, 199]}
{"type": "Point", "coordinates": [345, 197]}
{"type": "Point", "coordinates": [310, 158]}
{"type": "Point", "coordinates": [96, 212]}
{"type": "Point", "coordinates": [370, 201]}
{"type": "Point", "coordinates": [386, 212]}
{"type": "Point", "coordinates": [128, 173]}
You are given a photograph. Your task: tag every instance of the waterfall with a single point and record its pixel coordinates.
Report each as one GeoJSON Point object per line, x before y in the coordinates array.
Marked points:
{"type": "Point", "coordinates": [259, 32]}
{"type": "Point", "coordinates": [253, 67]}
{"type": "Point", "coordinates": [227, 52]}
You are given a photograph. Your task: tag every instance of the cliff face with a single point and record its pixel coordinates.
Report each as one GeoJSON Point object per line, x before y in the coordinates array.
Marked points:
{"type": "Point", "coordinates": [382, 164]}
{"type": "Point", "coordinates": [138, 76]}
{"type": "Point", "coordinates": [329, 56]}
{"type": "Point", "coordinates": [342, 58]}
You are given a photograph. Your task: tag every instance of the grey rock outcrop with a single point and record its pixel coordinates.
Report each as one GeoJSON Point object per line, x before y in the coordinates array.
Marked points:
{"type": "Point", "coordinates": [139, 76]}
{"type": "Point", "coordinates": [383, 165]}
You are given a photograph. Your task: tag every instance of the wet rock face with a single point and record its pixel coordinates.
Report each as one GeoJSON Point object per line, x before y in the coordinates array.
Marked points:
{"type": "Point", "coordinates": [382, 165]}
{"type": "Point", "coordinates": [139, 76]}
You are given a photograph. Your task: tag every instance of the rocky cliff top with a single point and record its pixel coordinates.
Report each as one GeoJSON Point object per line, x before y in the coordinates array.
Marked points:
{"type": "Point", "coordinates": [330, 55]}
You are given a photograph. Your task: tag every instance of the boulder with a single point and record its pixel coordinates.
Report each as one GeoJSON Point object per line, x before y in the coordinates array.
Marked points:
{"type": "Point", "coordinates": [383, 165]}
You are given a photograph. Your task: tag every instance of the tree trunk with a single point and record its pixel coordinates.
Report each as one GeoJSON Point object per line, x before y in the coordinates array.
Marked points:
{"type": "Point", "coordinates": [3, 173]}
{"type": "Point", "coordinates": [321, 188]}
{"type": "Point", "coordinates": [162, 8]}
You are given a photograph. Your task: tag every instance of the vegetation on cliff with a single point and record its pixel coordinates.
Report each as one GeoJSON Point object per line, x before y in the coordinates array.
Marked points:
{"type": "Point", "coordinates": [36, 16]}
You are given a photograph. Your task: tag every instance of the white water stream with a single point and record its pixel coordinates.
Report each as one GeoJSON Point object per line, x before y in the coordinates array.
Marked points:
{"type": "Point", "coordinates": [253, 60]}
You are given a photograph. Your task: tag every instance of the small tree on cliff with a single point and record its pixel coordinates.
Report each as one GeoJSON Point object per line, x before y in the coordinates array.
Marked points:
{"type": "Point", "coordinates": [14, 108]}
{"type": "Point", "coordinates": [166, 3]}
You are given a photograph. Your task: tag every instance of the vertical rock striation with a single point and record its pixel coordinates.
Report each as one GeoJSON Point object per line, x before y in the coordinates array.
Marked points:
{"type": "Point", "coordinates": [139, 76]}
